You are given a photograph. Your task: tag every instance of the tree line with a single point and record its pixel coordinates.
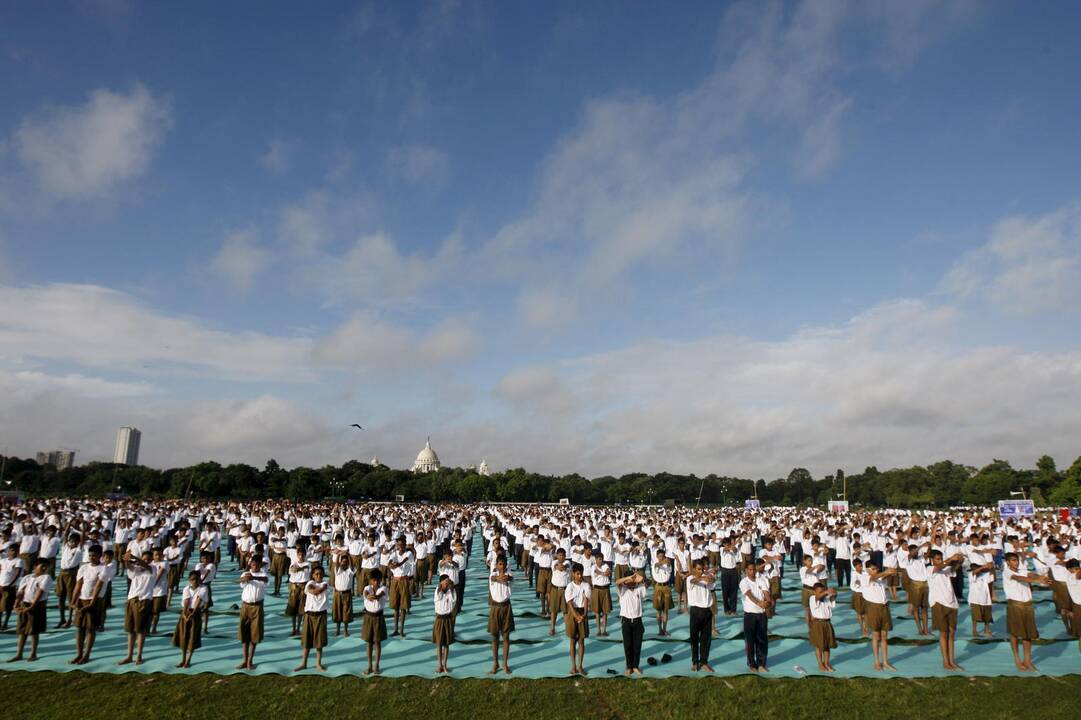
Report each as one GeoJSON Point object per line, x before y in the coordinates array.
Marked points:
{"type": "Point", "coordinates": [942, 484]}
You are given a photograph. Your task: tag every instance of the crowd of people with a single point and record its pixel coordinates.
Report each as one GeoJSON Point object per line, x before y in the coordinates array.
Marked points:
{"type": "Point", "coordinates": [576, 566]}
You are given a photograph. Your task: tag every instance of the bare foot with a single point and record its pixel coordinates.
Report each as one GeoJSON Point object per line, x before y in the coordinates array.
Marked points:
{"type": "Point", "coordinates": [878, 667]}
{"type": "Point", "coordinates": [367, 672]}
{"type": "Point", "coordinates": [627, 672]}
{"type": "Point", "coordinates": [298, 668]}
{"type": "Point", "coordinates": [242, 666]}
{"type": "Point", "coordinates": [506, 669]}
{"type": "Point", "coordinates": [125, 661]}
{"type": "Point", "coordinates": [636, 671]}
{"type": "Point", "coordinates": [706, 667]}
{"type": "Point", "coordinates": [32, 658]}
{"type": "Point", "coordinates": [138, 661]}
{"type": "Point", "coordinates": [889, 667]}
{"type": "Point", "coordinates": [320, 667]}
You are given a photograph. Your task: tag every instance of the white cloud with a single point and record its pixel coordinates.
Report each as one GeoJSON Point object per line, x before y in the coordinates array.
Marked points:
{"type": "Point", "coordinates": [546, 308]}
{"type": "Point", "coordinates": [643, 180]}
{"type": "Point", "coordinates": [240, 260]}
{"type": "Point", "coordinates": [88, 150]}
{"type": "Point", "coordinates": [1028, 265]}
{"type": "Point", "coordinates": [417, 164]}
{"type": "Point", "coordinates": [27, 383]}
{"type": "Point", "coordinates": [103, 328]}
{"type": "Point", "coordinates": [366, 343]}
{"type": "Point", "coordinates": [276, 158]}
{"type": "Point", "coordinates": [889, 387]}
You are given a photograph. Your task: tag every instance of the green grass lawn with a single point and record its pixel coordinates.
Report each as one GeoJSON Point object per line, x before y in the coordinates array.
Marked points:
{"type": "Point", "coordinates": [84, 696]}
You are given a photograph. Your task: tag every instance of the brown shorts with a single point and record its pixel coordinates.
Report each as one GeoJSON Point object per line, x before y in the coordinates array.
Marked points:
{"type": "Point", "coordinates": [295, 604]}
{"type": "Point", "coordinates": [33, 621]}
{"type": "Point", "coordinates": [662, 597]}
{"type": "Point", "coordinates": [137, 616]}
{"type": "Point", "coordinates": [314, 633]}
{"type": "Point", "coordinates": [805, 596]}
{"type": "Point", "coordinates": [557, 599]}
{"type": "Point", "coordinates": [7, 597]}
{"type": "Point", "coordinates": [1061, 596]}
{"type": "Point", "coordinates": [981, 613]}
{"type": "Point", "coordinates": [943, 619]}
{"type": "Point", "coordinates": [1021, 620]}
{"type": "Point", "coordinates": [544, 580]}
{"type": "Point", "coordinates": [857, 603]}
{"type": "Point", "coordinates": [775, 588]}
{"type": "Point", "coordinates": [821, 634]}
{"type": "Point", "coordinates": [343, 606]}
{"type": "Point", "coordinates": [917, 593]}
{"type": "Point", "coordinates": [65, 583]}
{"type": "Point", "coordinates": [1075, 620]}
{"type": "Point", "coordinates": [500, 619]}
{"type": "Point", "coordinates": [188, 634]}
{"type": "Point", "coordinates": [878, 616]}
{"type": "Point", "coordinates": [601, 600]}
{"type": "Point", "coordinates": [374, 628]}
{"type": "Point", "coordinates": [443, 629]}
{"type": "Point", "coordinates": [576, 630]}
{"type": "Point", "coordinates": [250, 629]}
{"type": "Point", "coordinates": [400, 593]}
{"type": "Point", "coordinates": [89, 617]}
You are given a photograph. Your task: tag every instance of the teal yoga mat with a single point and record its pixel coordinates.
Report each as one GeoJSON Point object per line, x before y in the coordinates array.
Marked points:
{"type": "Point", "coordinates": [535, 654]}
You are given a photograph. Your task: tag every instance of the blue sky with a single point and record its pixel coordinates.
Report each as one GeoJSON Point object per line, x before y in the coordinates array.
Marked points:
{"type": "Point", "coordinates": [705, 237]}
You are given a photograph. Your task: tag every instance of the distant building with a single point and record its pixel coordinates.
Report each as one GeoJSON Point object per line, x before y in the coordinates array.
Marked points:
{"type": "Point", "coordinates": [127, 446]}
{"type": "Point", "coordinates": [60, 459]}
{"type": "Point", "coordinates": [483, 469]}
{"type": "Point", "coordinates": [375, 461]}
{"type": "Point", "coordinates": [427, 460]}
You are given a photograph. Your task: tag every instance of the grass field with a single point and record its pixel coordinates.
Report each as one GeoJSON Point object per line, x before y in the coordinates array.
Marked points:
{"type": "Point", "coordinates": [85, 696]}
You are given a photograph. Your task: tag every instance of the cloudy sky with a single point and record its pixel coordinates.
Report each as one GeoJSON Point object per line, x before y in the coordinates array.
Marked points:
{"type": "Point", "coordinates": [700, 237]}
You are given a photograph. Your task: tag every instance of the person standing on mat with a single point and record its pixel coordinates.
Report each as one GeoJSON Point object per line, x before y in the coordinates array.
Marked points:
{"type": "Point", "coordinates": [300, 572]}
{"type": "Point", "coordinates": [30, 605]}
{"type": "Point", "coordinates": [1020, 617]}
{"type": "Point", "coordinates": [822, 636]}
{"type": "Point", "coordinates": [401, 564]}
{"type": "Point", "coordinates": [137, 610]}
{"type": "Point", "coordinates": [943, 601]}
{"type": "Point", "coordinates": [754, 591]}
{"type": "Point", "coordinates": [632, 593]}
{"type": "Point", "coordinates": [556, 595]}
{"type": "Point", "coordinates": [877, 613]}
{"type": "Point", "coordinates": [700, 586]}
{"type": "Point", "coordinates": [188, 635]}
{"type": "Point", "coordinates": [601, 603]}
{"type": "Point", "coordinates": [314, 634]}
{"type": "Point", "coordinates": [1073, 586]}
{"type": "Point", "coordinates": [500, 614]}
{"type": "Point", "coordinates": [343, 595]}
{"type": "Point", "coordinates": [374, 630]}
{"type": "Point", "coordinates": [730, 580]}
{"type": "Point", "coordinates": [662, 590]}
{"type": "Point", "coordinates": [87, 602]}
{"type": "Point", "coordinates": [577, 598]}
{"type": "Point", "coordinates": [444, 599]}
{"type": "Point", "coordinates": [71, 559]}
{"type": "Point", "coordinates": [253, 582]}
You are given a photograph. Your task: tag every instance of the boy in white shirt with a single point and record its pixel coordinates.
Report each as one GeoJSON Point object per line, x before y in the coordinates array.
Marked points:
{"type": "Point", "coordinates": [500, 614]}
{"type": "Point", "coordinates": [943, 601]}
{"type": "Point", "coordinates": [87, 603]}
{"type": "Point", "coordinates": [30, 608]}
{"type": "Point", "coordinates": [11, 569]}
{"type": "Point", "coordinates": [601, 602]}
{"type": "Point", "coordinates": [137, 609]}
{"type": "Point", "coordinates": [374, 630]}
{"type": "Point", "coordinates": [315, 619]}
{"type": "Point", "coordinates": [187, 635]}
{"type": "Point", "coordinates": [577, 597]}
{"type": "Point", "coordinates": [343, 596]}
{"type": "Point", "coordinates": [823, 640]}
{"type": "Point", "coordinates": [1020, 617]}
{"type": "Point", "coordinates": [253, 584]}
{"type": "Point", "coordinates": [443, 625]}
{"type": "Point", "coordinates": [632, 593]}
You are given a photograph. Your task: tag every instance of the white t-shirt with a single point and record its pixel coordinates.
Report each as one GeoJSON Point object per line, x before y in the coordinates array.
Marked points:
{"type": "Point", "coordinates": [940, 588]}
{"type": "Point", "coordinates": [699, 592]}
{"type": "Point", "coordinates": [315, 603]}
{"type": "Point", "coordinates": [754, 589]}
{"type": "Point", "coordinates": [1015, 590]}
{"type": "Point", "coordinates": [375, 600]}
{"type": "Point", "coordinates": [630, 600]}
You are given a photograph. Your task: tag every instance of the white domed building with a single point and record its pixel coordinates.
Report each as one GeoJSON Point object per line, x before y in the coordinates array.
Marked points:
{"type": "Point", "coordinates": [427, 460]}
{"type": "Point", "coordinates": [483, 469]}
